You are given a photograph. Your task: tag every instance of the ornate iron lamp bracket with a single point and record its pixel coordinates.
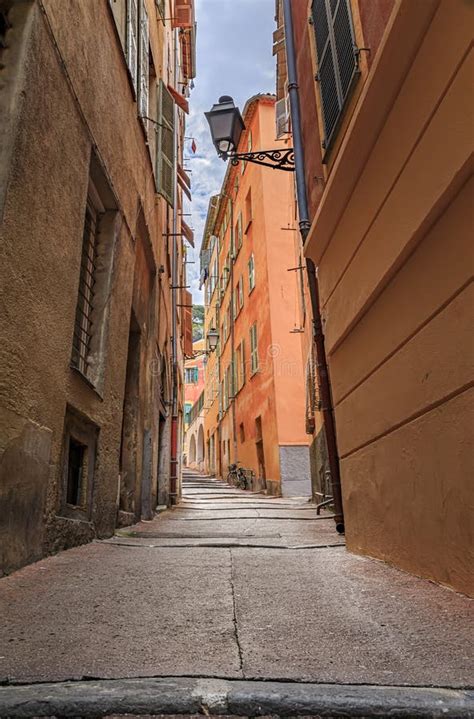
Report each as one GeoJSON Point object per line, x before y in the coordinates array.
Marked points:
{"type": "Point", "coordinates": [276, 159]}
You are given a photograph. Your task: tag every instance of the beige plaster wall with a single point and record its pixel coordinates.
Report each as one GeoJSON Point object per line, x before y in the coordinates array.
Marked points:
{"type": "Point", "coordinates": [395, 265]}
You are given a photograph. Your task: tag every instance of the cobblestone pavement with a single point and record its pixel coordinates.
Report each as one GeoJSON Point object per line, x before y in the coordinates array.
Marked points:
{"type": "Point", "coordinates": [231, 585]}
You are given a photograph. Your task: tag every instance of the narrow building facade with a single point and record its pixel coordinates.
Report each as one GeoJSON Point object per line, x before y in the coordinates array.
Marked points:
{"type": "Point", "coordinates": [252, 297]}
{"type": "Point", "coordinates": [92, 108]}
{"type": "Point", "coordinates": [389, 184]}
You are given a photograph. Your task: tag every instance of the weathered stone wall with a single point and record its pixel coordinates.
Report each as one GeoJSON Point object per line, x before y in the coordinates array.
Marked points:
{"type": "Point", "coordinates": [76, 102]}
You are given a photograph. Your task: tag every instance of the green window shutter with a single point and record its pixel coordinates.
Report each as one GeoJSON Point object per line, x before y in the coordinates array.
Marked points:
{"type": "Point", "coordinates": [242, 379]}
{"type": "Point", "coordinates": [160, 4]}
{"type": "Point", "coordinates": [132, 41]}
{"type": "Point", "coordinates": [165, 145]}
{"type": "Point", "coordinates": [337, 59]}
{"type": "Point", "coordinates": [239, 231]}
{"type": "Point", "coordinates": [234, 388]}
{"type": "Point", "coordinates": [253, 348]}
{"type": "Point", "coordinates": [144, 62]}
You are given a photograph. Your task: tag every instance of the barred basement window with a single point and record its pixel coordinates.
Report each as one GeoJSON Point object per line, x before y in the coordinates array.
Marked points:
{"type": "Point", "coordinates": [337, 59]}
{"type": "Point", "coordinates": [76, 464]}
{"type": "Point", "coordinates": [79, 457]}
{"type": "Point", "coordinates": [83, 325]}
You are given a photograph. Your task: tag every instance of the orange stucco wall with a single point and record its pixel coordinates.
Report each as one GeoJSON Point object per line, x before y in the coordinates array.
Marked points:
{"type": "Point", "coordinates": [276, 392]}
{"type": "Point", "coordinates": [393, 241]}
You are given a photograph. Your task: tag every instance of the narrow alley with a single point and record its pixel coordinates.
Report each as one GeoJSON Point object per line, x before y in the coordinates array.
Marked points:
{"type": "Point", "coordinates": [229, 585]}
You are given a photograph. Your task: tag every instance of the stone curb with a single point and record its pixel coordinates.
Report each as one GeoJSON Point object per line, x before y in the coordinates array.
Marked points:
{"type": "Point", "coordinates": [242, 698]}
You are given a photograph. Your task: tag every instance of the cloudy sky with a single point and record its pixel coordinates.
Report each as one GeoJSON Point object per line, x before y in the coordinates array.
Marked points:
{"type": "Point", "coordinates": [234, 57]}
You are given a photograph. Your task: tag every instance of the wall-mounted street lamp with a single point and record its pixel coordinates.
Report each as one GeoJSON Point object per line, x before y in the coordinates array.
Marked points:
{"type": "Point", "coordinates": [212, 339]}
{"type": "Point", "coordinates": [227, 125]}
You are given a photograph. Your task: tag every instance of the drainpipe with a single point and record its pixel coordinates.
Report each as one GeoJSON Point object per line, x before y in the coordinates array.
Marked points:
{"type": "Point", "coordinates": [174, 320]}
{"type": "Point", "coordinates": [232, 328]}
{"type": "Point", "coordinates": [305, 224]}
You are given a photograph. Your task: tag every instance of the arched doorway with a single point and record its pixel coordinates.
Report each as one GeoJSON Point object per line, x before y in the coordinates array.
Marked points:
{"type": "Point", "coordinates": [200, 445]}
{"type": "Point", "coordinates": [192, 450]}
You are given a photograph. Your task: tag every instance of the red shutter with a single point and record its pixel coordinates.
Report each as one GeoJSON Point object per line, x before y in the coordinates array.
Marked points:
{"type": "Point", "coordinates": [183, 14]}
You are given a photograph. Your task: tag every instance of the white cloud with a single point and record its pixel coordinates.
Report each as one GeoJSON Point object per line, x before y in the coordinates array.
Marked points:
{"type": "Point", "coordinates": [234, 57]}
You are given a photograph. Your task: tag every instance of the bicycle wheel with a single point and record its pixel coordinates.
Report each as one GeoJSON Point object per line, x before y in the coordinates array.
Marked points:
{"type": "Point", "coordinates": [241, 481]}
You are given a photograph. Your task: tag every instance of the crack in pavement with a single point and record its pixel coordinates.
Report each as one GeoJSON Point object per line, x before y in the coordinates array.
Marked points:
{"type": "Point", "coordinates": [234, 617]}
{"type": "Point", "coordinates": [225, 545]}
{"type": "Point", "coordinates": [272, 519]}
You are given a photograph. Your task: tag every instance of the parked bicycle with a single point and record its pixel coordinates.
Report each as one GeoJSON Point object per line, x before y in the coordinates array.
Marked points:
{"type": "Point", "coordinates": [239, 477]}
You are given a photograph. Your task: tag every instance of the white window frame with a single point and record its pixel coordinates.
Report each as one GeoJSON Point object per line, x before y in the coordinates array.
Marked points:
{"type": "Point", "coordinates": [251, 272]}
{"type": "Point", "coordinates": [253, 349]}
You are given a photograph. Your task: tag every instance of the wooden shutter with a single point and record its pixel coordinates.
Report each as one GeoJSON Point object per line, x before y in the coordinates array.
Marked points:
{"type": "Point", "coordinates": [144, 63]}
{"type": "Point", "coordinates": [183, 14]}
{"type": "Point", "coordinates": [132, 41]}
{"type": "Point", "coordinates": [253, 348]}
{"type": "Point", "coordinates": [281, 117]}
{"type": "Point", "coordinates": [160, 4]}
{"type": "Point", "coordinates": [242, 366]}
{"type": "Point", "coordinates": [337, 59]}
{"type": "Point", "coordinates": [165, 145]}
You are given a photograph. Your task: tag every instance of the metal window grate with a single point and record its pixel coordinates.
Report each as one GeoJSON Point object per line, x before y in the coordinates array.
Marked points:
{"type": "Point", "coordinates": [85, 300]}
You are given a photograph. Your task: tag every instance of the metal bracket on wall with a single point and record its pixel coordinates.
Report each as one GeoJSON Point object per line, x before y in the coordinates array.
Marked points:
{"type": "Point", "coordinates": [276, 159]}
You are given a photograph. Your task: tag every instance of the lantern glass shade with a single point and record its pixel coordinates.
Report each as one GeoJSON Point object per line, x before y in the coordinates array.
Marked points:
{"type": "Point", "coordinates": [226, 125]}
{"type": "Point", "coordinates": [212, 339]}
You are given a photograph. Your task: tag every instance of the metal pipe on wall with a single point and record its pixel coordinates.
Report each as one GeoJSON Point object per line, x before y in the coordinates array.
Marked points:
{"type": "Point", "coordinates": [232, 328]}
{"type": "Point", "coordinates": [305, 224]}
{"type": "Point", "coordinates": [174, 319]}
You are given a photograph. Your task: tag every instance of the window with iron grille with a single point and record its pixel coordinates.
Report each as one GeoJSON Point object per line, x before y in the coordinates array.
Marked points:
{"type": "Point", "coordinates": [337, 59]}
{"type": "Point", "coordinates": [83, 325]}
{"type": "Point", "coordinates": [95, 269]}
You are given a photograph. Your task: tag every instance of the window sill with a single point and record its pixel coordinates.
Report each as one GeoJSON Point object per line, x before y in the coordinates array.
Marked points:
{"type": "Point", "coordinates": [77, 515]}
{"type": "Point", "coordinates": [87, 381]}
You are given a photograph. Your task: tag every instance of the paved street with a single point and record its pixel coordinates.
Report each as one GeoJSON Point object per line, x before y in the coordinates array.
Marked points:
{"type": "Point", "coordinates": [231, 585]}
